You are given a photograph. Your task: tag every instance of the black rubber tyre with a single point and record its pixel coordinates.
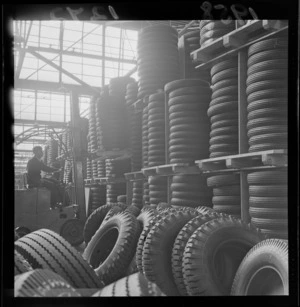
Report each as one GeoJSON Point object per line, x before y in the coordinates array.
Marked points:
{"type": "Point", "coordinates": [43, 283]}
{"type": "Point", "coordinates": [72, 231]}
{"type": "Point", "coordinates": [22, 231]}
{"type": "Point", "coordinates": [264, 270]}
{"type": "Point", "coordinates": [94, 221]}
{"type": "Point", "coordinates": [179, 246]}
{"type": "Point", "coordinates": [119, 236]}
{"type": "Point", "coordinates": [223, 180]}
{"type": "Point", "coordinates": [225, 74]}
{"type": "Point", "coordinates": [224, 139]}
{"type": "Point", "coordinates": [272, 74]}
{"type": "Point", "coordinates": [169, 87]}
{"type": "Point", "coordinates": [268, 202]}
{"type": "Point", "coordinates": [184, 187]}
{"type": "Point", "coordinates": [228, 209]}
{"type": "Point", "coordinates": [267, 130]}
{"type": "Point", "coordinates": [233, 190]}
{"type": "Point", "coordinates": [268, 190]}
{"type": "Point", "coordinates": [205, 210]}
{"type": "Point", "coordinates": [113, 211]}
{"type": "Point", "coordinates": [224, 123]}
{"type": "Point", "coordinates": [268, 44]}
{"type": "Point", "coordinates": [21, 264]}
{"type": "Point", "coordinates": [158, 250]}
{"type": "Point", "coordinates": [276, 234]}
{"type": "Point", "coordinates": [194, 90]}
{"type": "Point", "coordinates": [132, 285]}
{"type": "Point", "coordinates": [279, 137]}
{"type": "Point", "coordinates": [267, 94]}
{"type": "Point", "coordinates": [46, 249]}
{"type": "Point", "coordinates": [280, 224]}
{"type": "Point", "coordinates": [272, 177]}
{"type": "Point", "coordinates": [223, 116]}
{"type": "Point", "coordinates": [134, 210]}
{"type": "Point", "coordinates": [271, 213]}
{"type": "Point", "coordinates": [222, 107]}
{"type": "Point", "coordinates": [143, 236]}
{"type": "Point", "coordinates": [226, 200]}
{"type": "Point", "coordinates": [268, 146]}
{"type": "Point", "coordinates": [224, 91]}
{"type": "Point", "coordinates": [214, 252]}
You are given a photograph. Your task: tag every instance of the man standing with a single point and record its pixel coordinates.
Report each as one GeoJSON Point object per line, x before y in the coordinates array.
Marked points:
{"type": "Point", "coordinates": [34, 168]}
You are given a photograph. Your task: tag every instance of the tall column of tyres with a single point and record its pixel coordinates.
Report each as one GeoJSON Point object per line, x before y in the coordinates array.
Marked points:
{"type": "Point", "coordinates": [52, 152]}
{"type": "Point", "coordinates": [211, 30]}
{"type": "Point", "coordinates": [188, 101]}
{"type": "Point", "coordinates": [68, 177]}
{"type": "Point", "coordinates": [223, 108]}
{"type": "Point", "coordinates": [137, 193]}
{"type": "Point", "coordinates": [146, 197]}
{"type": "Point", "coordinates": [117, 87]}
{"type": "Point", "coordinates": [94, 168]}
{"type": "Point", "coordinates": [268, 202]}
{"type": "Point", "coordinates": [97, 197]}
{"type": "Point", "coordinates": [267, 94]}
{"type": "Point", "coordinates": [113, 191]}
{"type": "Point", "coordinates": [156, 129]}
{"type": "Point", "coordinates": [101, 168]}
{"type": "Point", "coordinates": [226, 193]}
{"type": "Point", "coordinates": [192, 43]}
{"type": "Point", "coordinates": [99, 128]}
{"type": "Point", "coordinates": [117, 167]}
{"type": "Point", "coordinates": [92, 125]}
{"type": "Point", "coordinates": [157, 58]}
{"type": "Point", "coordinates": [84, 127]}
{"type": "Point", "coordinates": [158, 189]}
{"type": "Point", "coordinates": [89, 174]}
{"type": "Point", "coordinates": [135, 126]}
{"type": "Point", "coordinates": [114, 123]}
{"type": "Point", "coordinates": [190, 191]}
{"type": "Point", "coordinates": [145, 143]}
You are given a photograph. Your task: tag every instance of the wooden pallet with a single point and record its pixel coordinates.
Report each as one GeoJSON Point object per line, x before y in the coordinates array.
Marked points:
{"type": "Point", "coordinates": [247, 161]}
{"type": "Point", "coordinates": [238, 38]}
{"type": "Point", "coordinates": [171, 169]}
{"type": "Point", "coordinates": [134, 176]}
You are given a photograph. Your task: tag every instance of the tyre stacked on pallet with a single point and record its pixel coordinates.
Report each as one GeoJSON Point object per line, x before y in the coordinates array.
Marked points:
{"type": "Point", "coordinates": [113, 191]}
{"type": "Point", "coordinates": [68, 171]}
{"type": "Point", "coordinates": [117, 87]}
{"type": "Point", "coordinates": [211, 30]}
{"type": "Point", "coordinates": [158, 189]}
{"type": "Point", "coordinates": [52, 152]}
{"type": "Point", "coordinates": [226, 193]}
{"type": "Point", "coordinates": [89, 174]}
{"type": "Point", "coordinates": [97, 197]}
{"type": "Point", "coordinates": [137, 193]}
{"type": "Point", "coordinates": [135, 123]}
{"type": "Point", "coordinates": [157, 58]}
{"type": "Point", "coordinates": [101, 168]}
{"type": "Point", "coordinates": [45, 156]}
{"type": "Point", "coordinates": [117, 167]}
{"type": "Point", "coordinates": [223, 109]}
{"type": "Point", "coordinates": [190, 191]}
{"type": "Point", "coordinates": [156, 129]}
{"type": "Point", "coordinates": [188, 101]}
{"type": "Point", "coordinates": [145, 146]}
{"type": "Point", "coordinates": [92, 135]}
{"type": "Point", "coordinates": [267, 93]}
{"type": "Point", "coordinates": [268, 202]}
{"type": "Point", "coordinates": [113, 122]}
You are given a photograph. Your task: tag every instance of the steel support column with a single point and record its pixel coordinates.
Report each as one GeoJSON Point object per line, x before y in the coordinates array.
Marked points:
{"type": "Point", "coordinates": [77, 155]}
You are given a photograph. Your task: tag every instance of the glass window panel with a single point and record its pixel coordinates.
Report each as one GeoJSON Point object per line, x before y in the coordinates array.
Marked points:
{"type": "Point", "coordinates": [57, 117]}
{"type": "Point", "coordinates": [93, 81]}
{"type": "Point", "coordinates": [30, 62]}
{"type": "Point", "coordinates": [68, 80]}
{"type": "Point", "coordinates": [50, 32]}
{"type": "Point", "coordinates": [72, 36]}
{"type": "Point", "coordinates": [42, 110]}
{"type": "Point", "coordinates": [112, 31]}
{"type": "Point", "coordinates": [72, 68]}
{"type": "Point", "coordinates": [73, 25]}
{"type": "Point", "coordinates": [34, 30]}
{"type": "Point", "coordinates": [92, 70]}
{"type": "Point", "coordinates": [93, 39]}
{"type": "Point", "coordinates": [42, 116]}
{"type": "Point", "coordinates": [71, 59]}
{"type": "Point", "coordinates": [56, 98]}
{"type": "Point", "coordinates": [48, 76]}
{"type": "Point", "coordinates": [25, 72]}
{"type": "Point", "coordinates": [25, 115]}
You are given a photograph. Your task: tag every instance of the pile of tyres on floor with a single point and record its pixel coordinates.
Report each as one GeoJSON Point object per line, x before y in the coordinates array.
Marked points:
{"type": "Point", "coordinates": [156, 250]}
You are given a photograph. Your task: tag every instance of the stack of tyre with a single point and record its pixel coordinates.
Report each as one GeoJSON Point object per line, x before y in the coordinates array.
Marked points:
{"type": "Point", "coordinates": [190, 191]}
{"type": "Point", "coordinates": [89, 174]}
{"type": "Point", "coordinates": [157, 58]}
{"type": "Point", "coordinates": [226, 193]}
{"type": "Point", "coordinates": [99, 129]}
{"type": "Point", "coordinates": [68, 172]}
{"type": "Point", "coordinates": [101, 169]}
{"type": "Point", "coordinates": [117, 167]}
{"type": "Point", "coordinates": [267, 94]}
{"type": "Point", "coordinates": [113, 191]}
{"type": "Point", "coordinates": [223, 109]}
{"type": "Point", "coordinates": [52, 152]}
{"type": "Point", "coordinates": [156, 129]}
{"type": "Point", "coordinates": [268, 202]}
{"type": "Point", "coordinates": [118, 86]}
{"type": "Point", "coordinates": [210, 30]}
{"type": "Point", "coordinates": [113, 123]}
{"type": "Point", "coordinates": [45, 156]}
{"type": "Point", "coordinates": [92, 135]}
{"type": "Point", "coordinates": [97, 197]}
{"type": "Point", "coordinates": [135, 124]}
{"type": "Point", "coordinates": [145, 146]}
{"type": "Point", "coordinates": [158, 189]}
{"type": "Point", "coordinates": [188, 101]}
{"type": "Point", "coordinates": [137, 193]}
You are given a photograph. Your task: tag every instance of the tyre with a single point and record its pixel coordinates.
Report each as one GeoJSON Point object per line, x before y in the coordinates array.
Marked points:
{"type": "Point", "coordinates": [94, 221]}
{"type": "Point", "coordinates": [226, 200]}
{"type": "Point", "coordinates": [72, 231]}
{"type": "Point", "coordinates": [223, 180]}
{"type": "Point", "coordinates": [268, 202]}
{"type": "Point", "coordinates": [113, 211]}
{"type": "Point", "coordinates": [43, 283]}
{"type": "Point", "coordinates": [119, 236]}
{"type": "Point", "coordinates": [46, 249]}
{"type": "Point", "coordinates": [133, 285]}
{"type": "Point", "coordinates": [270, 213]}
{"type": "Point", "coordinates": [233, 190]}
{"type": "Point", "coordinates": [179, 246]}
{"type": "Point", "coordinates": [213, 254]}
{"type": "Point", "coordinates": [21, 264]}
{"type": "Point", "coordinates": [268, 190]}
{"type": "Point", "coordinates": [268, 177]}
{"type": "Point", "coordinates": [264, 270]}
{"type": "Point", "coordinates": [158, 250]}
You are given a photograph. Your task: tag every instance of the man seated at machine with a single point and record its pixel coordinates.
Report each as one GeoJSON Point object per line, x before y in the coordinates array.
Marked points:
{"type": "Point", "coordinates": [34, 168]}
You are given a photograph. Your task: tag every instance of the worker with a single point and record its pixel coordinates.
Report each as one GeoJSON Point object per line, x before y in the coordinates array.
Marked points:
{"type": "Point", "coordinates": [34, 168]}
